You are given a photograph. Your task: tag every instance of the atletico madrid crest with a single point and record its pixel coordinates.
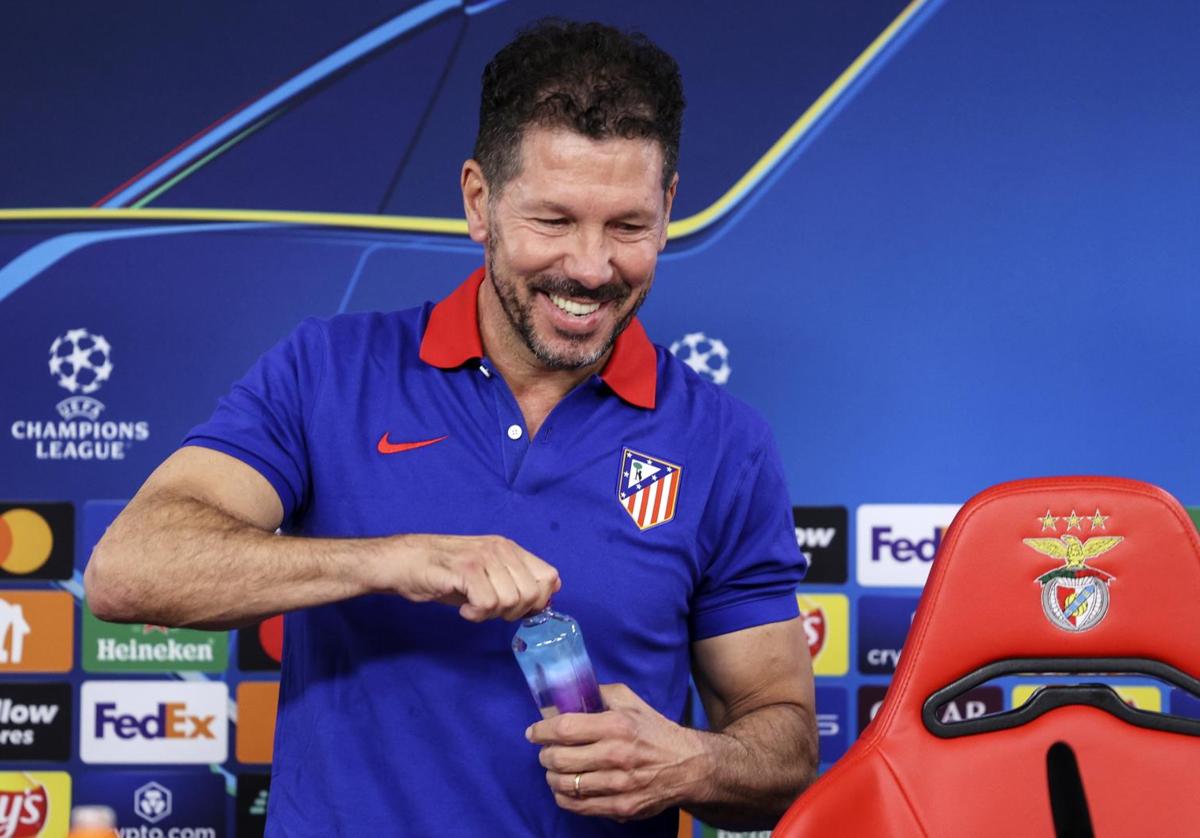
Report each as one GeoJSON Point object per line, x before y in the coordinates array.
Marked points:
{"type": "Point", "coordinates": [648, 488]}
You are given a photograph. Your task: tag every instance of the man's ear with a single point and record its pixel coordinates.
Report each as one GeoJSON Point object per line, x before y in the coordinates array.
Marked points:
{"type": "Point", "coordinates": [475, 201]}
{"type": "Point", "coordinates": [668, 200]}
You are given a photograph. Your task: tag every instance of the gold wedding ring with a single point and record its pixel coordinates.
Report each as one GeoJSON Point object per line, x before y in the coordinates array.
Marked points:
{"type": "Point", "coordinates": [578, 777]}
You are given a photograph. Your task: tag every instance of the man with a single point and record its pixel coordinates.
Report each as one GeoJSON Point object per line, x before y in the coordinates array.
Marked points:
{"type": "Point", "coordinates": [518, 440]}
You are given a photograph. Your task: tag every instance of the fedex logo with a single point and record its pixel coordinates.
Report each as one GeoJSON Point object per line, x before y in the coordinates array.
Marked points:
{"type": "Point", "coordinates": [182, 722]}
{"type": "Point", "coordinates": [170, 721]}
{"type": "Point", "coordinates": [897, 542]}
{"type": "Point", "coordinates": [901, 549]}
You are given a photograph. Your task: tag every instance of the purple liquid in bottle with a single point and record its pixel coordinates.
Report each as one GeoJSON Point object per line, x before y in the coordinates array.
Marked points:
{"type": "Point", "coordinates": [549, 648]}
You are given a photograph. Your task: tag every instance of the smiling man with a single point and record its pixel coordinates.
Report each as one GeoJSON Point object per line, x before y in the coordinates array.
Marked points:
{"type": "Point", "coordinates": [522, 438]}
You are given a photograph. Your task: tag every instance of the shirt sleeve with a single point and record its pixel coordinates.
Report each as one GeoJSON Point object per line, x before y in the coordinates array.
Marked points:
{"type": "Point", "coordinates": [263, 419]}
{"type": "Point", "coordinates": [756, 564]}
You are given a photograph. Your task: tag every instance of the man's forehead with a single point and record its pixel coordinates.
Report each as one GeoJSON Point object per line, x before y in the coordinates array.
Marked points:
{"type": "Point", "coordinates": [558, 157]}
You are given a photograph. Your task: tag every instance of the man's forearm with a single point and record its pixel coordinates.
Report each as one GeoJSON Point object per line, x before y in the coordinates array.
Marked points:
{"type": "Point", "coordinates": [754, 768]}
{"type": "Point", "coordinates": [173, 560]}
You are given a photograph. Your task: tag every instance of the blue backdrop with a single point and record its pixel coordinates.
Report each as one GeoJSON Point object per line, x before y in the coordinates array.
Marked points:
{"type": "Point", "coordinates": [945, 244]}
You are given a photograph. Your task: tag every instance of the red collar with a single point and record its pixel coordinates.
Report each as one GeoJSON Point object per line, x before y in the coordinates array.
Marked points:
{"type": "Point", "coordinates": [452, 338]}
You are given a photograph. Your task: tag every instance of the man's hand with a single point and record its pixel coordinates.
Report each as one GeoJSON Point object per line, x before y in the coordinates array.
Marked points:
{"type": "Point", "coordinates": [485, 576]}
{"type": "Point", "coordinates": [631, 762]}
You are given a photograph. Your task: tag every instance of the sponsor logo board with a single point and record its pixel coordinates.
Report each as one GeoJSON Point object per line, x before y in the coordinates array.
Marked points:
{"type": "Point", "coordinates": [973, 704]}
{"type": "Point", "coordinates": [140, 647]}
{"type": "Point", "coordinates": [1143, 698]}
{"type": "Point", "coordinates": [158, 804]}
{"type": "Point", "coordinates": [257, 702]}
{"type": "Point", "coordinates": [35, 804]}
{"type": "Point", "coordinates": [260, 647]}
{"type": "Point", "coordinates": [821, 534]}
{"type": "Point", "coordinates": [826, 621]}
{"type": "Point", "coordinates": [870, 699]}
{"type": "Point", "coordinates": [37, 541]}
{"type": "Point", "coordinates": [896, 543]}
{"type": "Point", "coordinates": [883, 623]}
{"type": "Point", "coordinates": [35, 722]}
{"type": "Point", "coordinates": [253, 792]}
{"type": "Point", "coordinates": [181, 722]}
{"type": "Point", "coordinates": [832, 723]}
{"type": "Point", "coordinates": [37, 631]}
{"type": "Point", "coordinates": [1183, 704]}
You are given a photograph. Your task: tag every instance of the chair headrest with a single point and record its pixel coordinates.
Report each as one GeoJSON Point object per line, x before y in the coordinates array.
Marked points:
{"type": "Point", "coordinates": [1070, 567]}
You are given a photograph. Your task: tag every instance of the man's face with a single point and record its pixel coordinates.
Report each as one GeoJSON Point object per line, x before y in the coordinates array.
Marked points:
{"type": "Point", "coordinates": [572, 241]}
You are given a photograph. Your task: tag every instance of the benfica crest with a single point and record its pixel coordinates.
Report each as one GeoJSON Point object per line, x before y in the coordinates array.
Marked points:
{"type": "Point", "coordinates": [1074, 597]}
{"type": "Point", "coordinates": [648, 488]}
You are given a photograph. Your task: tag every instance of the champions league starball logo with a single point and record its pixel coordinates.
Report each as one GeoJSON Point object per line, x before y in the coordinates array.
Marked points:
{"type": "Point", "coordinates": [707, 356]}
{"type": "Point", "coordinates": [81, 361]}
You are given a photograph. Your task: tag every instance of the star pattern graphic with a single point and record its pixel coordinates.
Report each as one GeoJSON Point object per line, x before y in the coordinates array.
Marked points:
{"type": "Point", "coordinates": [1073, 522]}
{"type": "Point", "coordinates": [1098, 520]}
{"type": "Point", "coordinates": [1049, 522]}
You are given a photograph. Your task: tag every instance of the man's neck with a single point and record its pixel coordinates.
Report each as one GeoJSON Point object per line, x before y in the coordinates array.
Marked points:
{"type": "Point", "coordinates": [536, 388]}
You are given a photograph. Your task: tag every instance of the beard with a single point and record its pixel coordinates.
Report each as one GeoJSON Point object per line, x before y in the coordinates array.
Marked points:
{"type": "Point", "coordinates": [578, 354]}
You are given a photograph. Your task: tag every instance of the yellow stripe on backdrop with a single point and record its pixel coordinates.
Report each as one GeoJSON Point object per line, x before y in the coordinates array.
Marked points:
{"type": "Point", "coordinates": [458, 227]}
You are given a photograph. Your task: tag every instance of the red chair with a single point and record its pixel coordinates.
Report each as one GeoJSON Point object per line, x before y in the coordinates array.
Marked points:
{"type": "Point", "coordinates": [1051, 576]}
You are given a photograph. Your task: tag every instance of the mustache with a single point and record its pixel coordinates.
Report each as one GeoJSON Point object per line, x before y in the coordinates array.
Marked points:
{"type": "Point", "coordinates": [563, 286]}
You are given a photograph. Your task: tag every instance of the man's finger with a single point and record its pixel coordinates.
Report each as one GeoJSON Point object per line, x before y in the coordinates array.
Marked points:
{"type": "Point", "coordinates": [620, 695]}
{"type": "Point", "coordinates": [528, 593]}
{"type": "Point", "coordinates": [481, 596]}
{"type": "Point", "coordinates": [574, 729]}
{"type": "Point", "coordinates": [569, 759]}
{"type": "Point", "coordinates": [603, 783]}
{"type": "Point", "coordinates": [508, 594]}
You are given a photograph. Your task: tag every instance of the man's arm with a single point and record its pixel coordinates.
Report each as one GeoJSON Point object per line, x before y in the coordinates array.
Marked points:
{"type": "Point", "coordinates": [197, 547]}
{"type": "Point", "coordinates": [761, 751]}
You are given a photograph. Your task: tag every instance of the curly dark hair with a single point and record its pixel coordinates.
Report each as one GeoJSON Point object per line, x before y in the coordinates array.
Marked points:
{"type": "Point", "coordinates": [588, 77]}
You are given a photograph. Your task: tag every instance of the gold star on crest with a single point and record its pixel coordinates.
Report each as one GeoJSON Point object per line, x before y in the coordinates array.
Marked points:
{"type": "Point", "coordinates": [1073, 522]}
{"type": "Point", "coordinates": [1049, 522]}
{"type": "Point", "coordinates": [1098, 520]}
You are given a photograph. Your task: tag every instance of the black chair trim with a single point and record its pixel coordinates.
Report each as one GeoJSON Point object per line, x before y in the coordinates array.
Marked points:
{"type": "Point", "coordinates": [1049, 698]}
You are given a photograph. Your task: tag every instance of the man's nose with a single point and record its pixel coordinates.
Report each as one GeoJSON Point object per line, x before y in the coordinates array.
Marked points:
{"type": "Point", "coordinates": [588, 259]}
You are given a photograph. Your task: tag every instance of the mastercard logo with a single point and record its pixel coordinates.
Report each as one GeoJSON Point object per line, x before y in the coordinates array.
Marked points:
{"type": "Point", "coordinates": [26, 541]}
{"type": "Point", "coordinates": [37, 541]}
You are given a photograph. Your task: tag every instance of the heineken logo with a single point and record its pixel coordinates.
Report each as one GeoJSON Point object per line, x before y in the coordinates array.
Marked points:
{"type": "Point", "coordinates": [109, 647]}
{"type": "Point", "coordinates": [1075, 596]}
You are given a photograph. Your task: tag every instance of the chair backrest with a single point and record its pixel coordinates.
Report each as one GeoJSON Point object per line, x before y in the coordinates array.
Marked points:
{"type": "Point", "coordinates": [1056, 575]}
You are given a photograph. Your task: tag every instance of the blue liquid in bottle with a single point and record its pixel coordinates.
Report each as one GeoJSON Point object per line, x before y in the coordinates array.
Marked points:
{"type": "Point", "coordinates": [549, 647]}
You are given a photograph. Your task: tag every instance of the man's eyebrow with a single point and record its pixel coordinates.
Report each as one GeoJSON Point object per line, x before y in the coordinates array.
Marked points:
{"type": "Point", "coordinates": [640, 215]}
{"type": "Point", "coordinates": [550, 207]}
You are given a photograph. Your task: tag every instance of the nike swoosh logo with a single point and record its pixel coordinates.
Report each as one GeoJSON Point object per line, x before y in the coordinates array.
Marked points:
{"type": "Point", "coordinates": [387, 447]}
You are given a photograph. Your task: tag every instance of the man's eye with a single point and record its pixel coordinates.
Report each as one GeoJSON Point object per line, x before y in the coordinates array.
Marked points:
{"type": "Point", "coordinates": [553, 222]}
{"type": "Point", "coordinates": [631, 228]}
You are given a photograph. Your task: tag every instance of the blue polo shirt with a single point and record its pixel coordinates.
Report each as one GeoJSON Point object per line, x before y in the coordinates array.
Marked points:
{"type": "Point", "coordinates": [658, 497]}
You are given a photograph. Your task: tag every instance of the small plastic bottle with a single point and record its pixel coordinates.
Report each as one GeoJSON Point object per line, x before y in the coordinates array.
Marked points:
{"type": "Point", "coordinates": [549, 647]}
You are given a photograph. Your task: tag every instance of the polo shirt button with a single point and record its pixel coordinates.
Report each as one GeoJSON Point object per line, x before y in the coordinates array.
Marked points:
{"type": "Point", "coordinates": [514, 432]}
